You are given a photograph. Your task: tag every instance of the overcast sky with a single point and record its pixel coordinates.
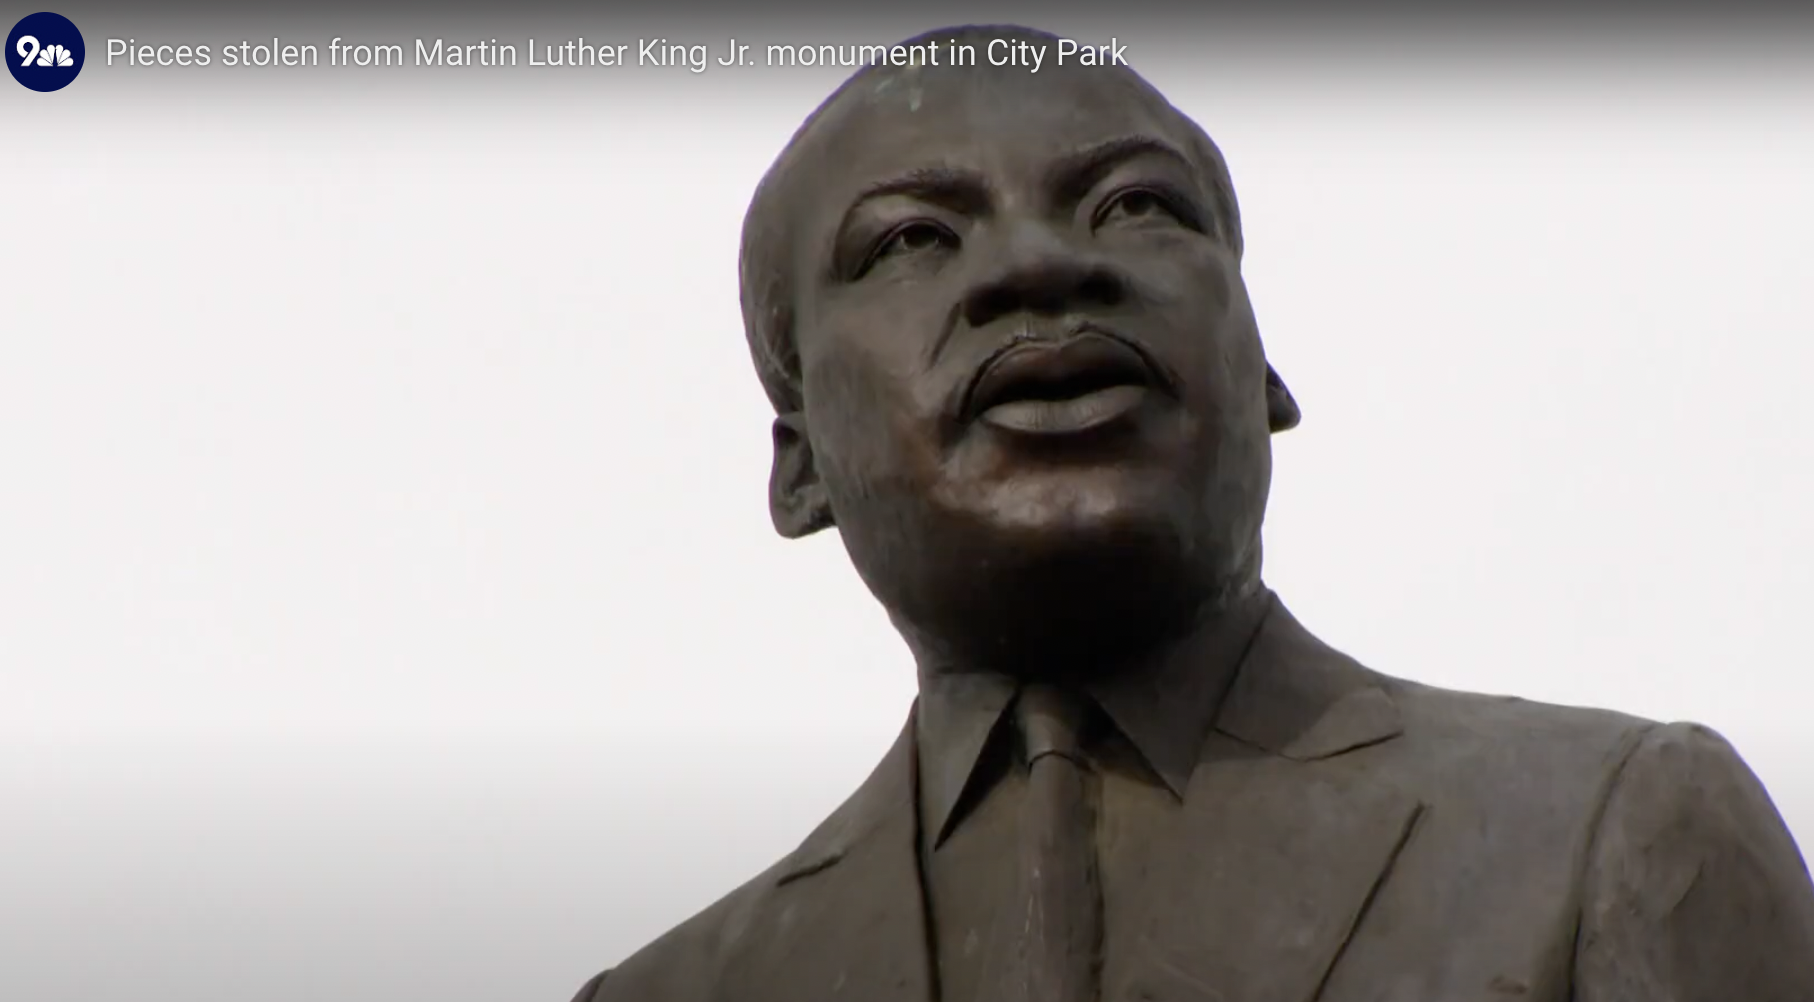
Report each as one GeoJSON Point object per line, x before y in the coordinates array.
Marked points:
{"type": "Point", "coordinates": [388, 602]}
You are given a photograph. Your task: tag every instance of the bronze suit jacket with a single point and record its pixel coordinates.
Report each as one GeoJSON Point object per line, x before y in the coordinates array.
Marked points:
{"type": "Point", "coordinates": [1351, 838]}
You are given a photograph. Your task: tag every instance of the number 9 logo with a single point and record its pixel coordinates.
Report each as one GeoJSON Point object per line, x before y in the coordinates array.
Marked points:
{"type": "Point", "coordinates": [45, 52]}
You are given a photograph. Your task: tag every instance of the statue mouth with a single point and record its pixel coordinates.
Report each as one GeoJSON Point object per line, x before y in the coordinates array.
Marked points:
{"type": "Point", "coordinates": [1062, 386]}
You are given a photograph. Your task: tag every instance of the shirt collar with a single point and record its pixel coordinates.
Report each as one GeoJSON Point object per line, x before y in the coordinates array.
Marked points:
{"type": "Point", "coordinates": [1164, 711]}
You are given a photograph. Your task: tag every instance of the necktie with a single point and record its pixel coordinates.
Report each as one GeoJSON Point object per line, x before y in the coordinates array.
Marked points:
{"type": "Point", "coordinates": [1058, 923]}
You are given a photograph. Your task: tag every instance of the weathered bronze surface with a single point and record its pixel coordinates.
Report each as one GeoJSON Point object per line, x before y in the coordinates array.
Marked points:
{"type": "Point", "coordinates": [1002, 321]}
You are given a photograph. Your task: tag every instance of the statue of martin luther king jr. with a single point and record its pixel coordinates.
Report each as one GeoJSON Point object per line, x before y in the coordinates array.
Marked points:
{"type": "Point", "coordinates": [1001, 319]}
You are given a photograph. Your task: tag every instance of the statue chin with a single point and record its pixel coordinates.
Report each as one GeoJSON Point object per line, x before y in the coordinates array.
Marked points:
{"type": "Point", "coordinates": [1035, 566]}
{"type": "Point", "coordinates": [1052, 589]}
{"type": "Point", "coordinates": [1061, 511]}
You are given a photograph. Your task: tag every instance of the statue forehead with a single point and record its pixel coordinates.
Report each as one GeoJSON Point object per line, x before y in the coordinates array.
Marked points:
{"type": "Point", "coordinates": [885, 122]}
{"type": "Point", "coordinates": [889, 115]}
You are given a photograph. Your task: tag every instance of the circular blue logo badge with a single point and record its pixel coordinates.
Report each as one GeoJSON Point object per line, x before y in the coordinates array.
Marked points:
{"type": "Point", "coordinates": [45, 51]}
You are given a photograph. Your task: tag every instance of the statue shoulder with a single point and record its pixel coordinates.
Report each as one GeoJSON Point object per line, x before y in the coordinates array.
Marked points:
{"type": "Point", "coordinates": [683, 963]}
{"type": "Point", "coordinates": [1506, 745]}
{"type": "Point", "coordinates": [1457, 715]}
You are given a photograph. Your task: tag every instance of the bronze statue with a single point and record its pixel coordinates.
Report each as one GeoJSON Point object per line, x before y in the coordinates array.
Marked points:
{"type": "Point", "coordinates": [1001, 319]}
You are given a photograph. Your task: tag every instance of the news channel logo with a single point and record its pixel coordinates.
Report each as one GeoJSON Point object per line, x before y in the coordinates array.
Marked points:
{"type": "Point", "coordinates": [45, 51]}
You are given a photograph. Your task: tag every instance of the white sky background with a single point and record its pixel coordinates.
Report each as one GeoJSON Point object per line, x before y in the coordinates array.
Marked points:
{"type": "Point", "coordinates": [388, 604]}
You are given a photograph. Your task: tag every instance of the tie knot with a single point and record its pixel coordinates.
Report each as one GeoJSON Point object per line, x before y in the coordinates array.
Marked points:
{"type": "Point", "coordinates": [1050, 722]}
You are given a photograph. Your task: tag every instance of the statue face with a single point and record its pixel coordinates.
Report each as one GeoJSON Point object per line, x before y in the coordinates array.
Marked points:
{"type": "Point", "coordinates": [1034, 394]}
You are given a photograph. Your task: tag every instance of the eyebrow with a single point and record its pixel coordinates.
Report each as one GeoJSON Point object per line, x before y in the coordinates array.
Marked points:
{"type": "Point", "coordinates": [967, 191]}
{"type": "Point", "coordinates": [1077, 172]}
{"type": "Point", "coordinates": [955, 188]}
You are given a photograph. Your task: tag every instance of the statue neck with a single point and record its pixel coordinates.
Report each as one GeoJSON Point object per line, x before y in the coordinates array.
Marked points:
{"type": "Point", "coordinates": [1078, 647]}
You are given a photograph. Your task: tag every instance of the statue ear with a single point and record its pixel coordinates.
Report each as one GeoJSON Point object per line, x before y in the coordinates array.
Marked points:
{"type": "Point", "coordinates": [1281, 409]}
{"type": "Point", "coordinates": [796, 496]}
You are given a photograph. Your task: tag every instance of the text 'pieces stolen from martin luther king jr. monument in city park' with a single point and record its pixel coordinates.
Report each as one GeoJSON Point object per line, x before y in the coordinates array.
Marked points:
{"type": "Point", "coordinates": [641, 52]}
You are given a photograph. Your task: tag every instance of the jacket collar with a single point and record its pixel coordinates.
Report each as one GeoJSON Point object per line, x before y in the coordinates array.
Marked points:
{"type": "Point", "coordinates": [1293, 696]}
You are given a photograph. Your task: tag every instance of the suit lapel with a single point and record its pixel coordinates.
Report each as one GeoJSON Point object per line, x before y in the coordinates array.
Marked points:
{"type": "Point", "coordinates": [845, 916]}
{"type": "Point", "coordinates": [1287, 836]}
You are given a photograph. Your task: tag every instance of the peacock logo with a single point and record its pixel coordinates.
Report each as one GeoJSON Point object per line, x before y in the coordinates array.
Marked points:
{"type": "Point", "coordinates": [45, 52]}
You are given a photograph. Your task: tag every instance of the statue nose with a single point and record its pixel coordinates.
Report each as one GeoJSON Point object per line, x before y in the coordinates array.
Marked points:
{"type": "Point", "coordinates": [1037, 270]}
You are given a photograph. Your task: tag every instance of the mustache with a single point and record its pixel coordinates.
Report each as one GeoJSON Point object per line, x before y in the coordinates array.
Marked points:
{"type": "Point", "coordinates": [1163, 376]}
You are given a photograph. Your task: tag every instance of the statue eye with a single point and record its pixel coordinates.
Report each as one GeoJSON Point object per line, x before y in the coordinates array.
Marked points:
{"type": "Point", "coordinates": [1138, 205]}
{"type": "Point", "coordinates": [913, 238]}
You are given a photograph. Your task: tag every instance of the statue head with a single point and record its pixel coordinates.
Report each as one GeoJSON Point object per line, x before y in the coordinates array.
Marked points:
{"type": "Point", "coordinates": [1001, 319]}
